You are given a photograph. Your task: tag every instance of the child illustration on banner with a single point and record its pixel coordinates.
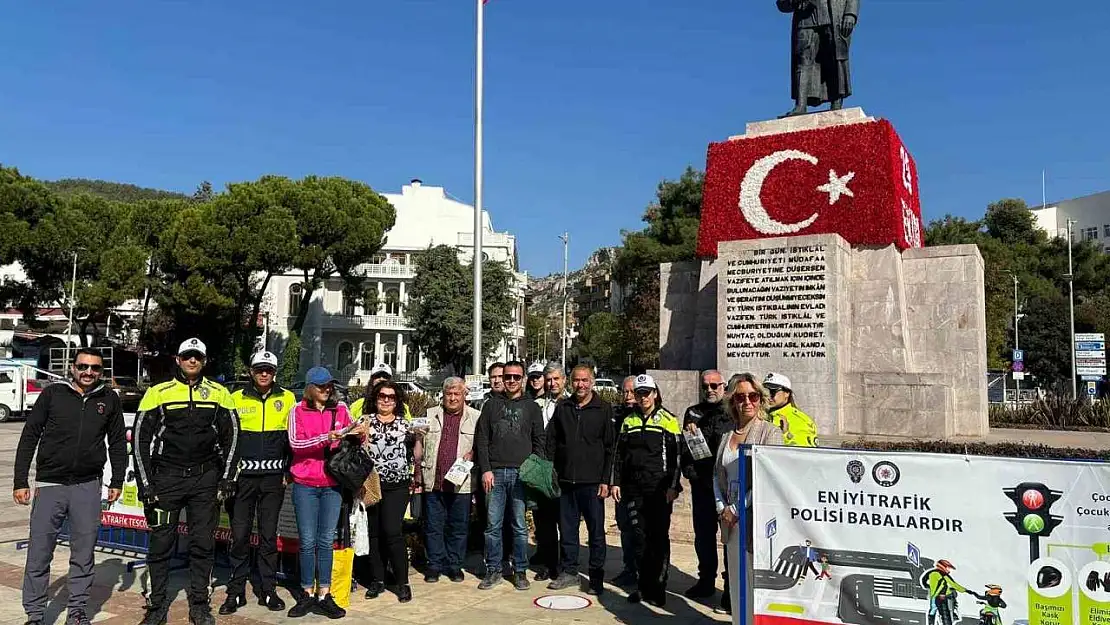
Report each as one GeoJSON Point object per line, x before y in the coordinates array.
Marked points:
{"type": "Point", "coordinates": [824, 574]}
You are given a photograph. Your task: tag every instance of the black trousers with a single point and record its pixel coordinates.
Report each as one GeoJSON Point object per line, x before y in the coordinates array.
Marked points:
{"type": "Point", "coordinates": [258, 496]}
{"type": "Point", "coordinates": [650, 516]}
{"type": "Point", "coordinates": [704, 506]}
{"type": "Point", "coordinates": [546, 518]}
{"type": "Point", "coordinates": [580, 502]}
{"type": "Point", "coordinates": [387, 540]}
{"type": "Point", "coordinates": [195, 493]}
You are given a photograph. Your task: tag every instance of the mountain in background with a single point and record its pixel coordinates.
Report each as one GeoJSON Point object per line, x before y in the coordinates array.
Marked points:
{"type": "Point", "coordinates": [117, 191]}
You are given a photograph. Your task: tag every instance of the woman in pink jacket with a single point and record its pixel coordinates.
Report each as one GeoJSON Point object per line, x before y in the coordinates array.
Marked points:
{"type": "Point", "coordinates": [315, 426]}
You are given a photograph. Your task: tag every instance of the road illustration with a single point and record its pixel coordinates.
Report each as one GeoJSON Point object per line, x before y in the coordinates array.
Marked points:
{"type": "Point", "coordinates": [859, 593]}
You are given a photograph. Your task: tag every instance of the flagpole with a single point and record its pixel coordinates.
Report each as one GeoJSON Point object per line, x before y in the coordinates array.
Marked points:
{"type": "Point", "coordinates": [477, 363]}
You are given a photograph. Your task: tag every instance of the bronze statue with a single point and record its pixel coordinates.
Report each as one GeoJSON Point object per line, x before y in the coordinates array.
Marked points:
{"type": "Point", "coordinates": [821, 36]}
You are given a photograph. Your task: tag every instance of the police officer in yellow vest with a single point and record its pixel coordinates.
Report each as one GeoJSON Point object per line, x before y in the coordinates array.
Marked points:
{"type": "Point", "coordinates": [798, 429]}
{"type": "Point", "coordinates": [264, 409]}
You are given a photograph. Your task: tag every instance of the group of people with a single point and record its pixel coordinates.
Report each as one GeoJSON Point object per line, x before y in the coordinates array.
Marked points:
{"type": "Point", "coordinates": [198, 447]}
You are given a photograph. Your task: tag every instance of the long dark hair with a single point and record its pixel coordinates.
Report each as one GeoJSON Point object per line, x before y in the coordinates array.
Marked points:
{"type": "Point", "coordinates": [370, 405]}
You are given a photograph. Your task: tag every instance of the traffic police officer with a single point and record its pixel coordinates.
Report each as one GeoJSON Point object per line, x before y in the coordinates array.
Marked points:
{"type": "Point", "coordinates": [645, 474]}
{"type": "Point", "coordinates": [186, 455]}
{"type": "Point", "coordinates": [263, 409]}
{"type": "Point", "coordinates": [798, 429]}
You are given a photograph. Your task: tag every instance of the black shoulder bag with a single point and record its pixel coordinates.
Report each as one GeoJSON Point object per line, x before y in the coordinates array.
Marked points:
{"type": "Point", "coordinates": [350, 464]}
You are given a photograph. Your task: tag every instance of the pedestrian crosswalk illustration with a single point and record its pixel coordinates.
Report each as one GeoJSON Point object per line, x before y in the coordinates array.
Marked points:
{"type": "Point", "coordinates": [884, 586]}
{"type": "Point", "coordinates": [791, 569]}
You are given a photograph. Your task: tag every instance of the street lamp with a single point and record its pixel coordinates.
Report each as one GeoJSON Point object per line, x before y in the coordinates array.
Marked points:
{"type": "Point", "coordinates": [629, 362]}
{"type": "Point", "coordinates": [1071, 306]}
{"type": "Point", "coordinates": [1017, 345]}
{"type": "Point", "coordinates": [565, 238]}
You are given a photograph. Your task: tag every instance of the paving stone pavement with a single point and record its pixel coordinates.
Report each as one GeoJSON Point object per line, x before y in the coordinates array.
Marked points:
{"type": "Point", "coordinates": [116, 596]}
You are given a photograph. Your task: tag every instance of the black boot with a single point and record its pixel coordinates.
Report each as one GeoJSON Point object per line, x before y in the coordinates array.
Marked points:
{"type": "Point", "coordinates": [201, 614]}
{"type": "Point", "coordinates": [327, 607]}
{"type": "Point", "coordinates": [232, 604]}
{"type": "Point", "coordinates": [155, 616]}
{"type": "Point", "coordinates": [271, 602]}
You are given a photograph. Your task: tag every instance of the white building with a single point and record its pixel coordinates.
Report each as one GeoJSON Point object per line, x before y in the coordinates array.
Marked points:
{"type": "Point", "coordinates": [1090, 217]}
{"type": "Point", "coordinates": [340, 334]}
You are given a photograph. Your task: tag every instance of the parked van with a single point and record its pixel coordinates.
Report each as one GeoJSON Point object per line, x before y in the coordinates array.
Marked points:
{"type": "Point", "coordinates": [18, 391]}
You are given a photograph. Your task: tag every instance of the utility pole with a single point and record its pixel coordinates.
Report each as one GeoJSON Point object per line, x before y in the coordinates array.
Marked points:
{"type": "Point", "coordinates": [72, 303]}
{"type": "Point", "coordinates": [1017, 345]}
{"type": "Point", "coordinates": [565, 237]}
{"type": "Point", "coordinates": [1071, 306]}
{"type": "Point", "coordinates": [477, 359]}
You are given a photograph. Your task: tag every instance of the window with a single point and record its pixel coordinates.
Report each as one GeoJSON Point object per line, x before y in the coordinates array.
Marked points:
{"type": "Point", "coordinates": [345, 355]}
{"type": "Point", "coordinates": [412, 360]}
{"type": "Point", "coordinates": [349, 303]}
{"type": "Point", "coordinates": [1106, 230]}
{"type": "Point", "coordinates": [296, 293]}
{"type": "Point", "coordinates": [1090, 234]}
{"type": "Point", "coordinates": [377, 259]}
{"type": "Point", "coordinates": [5, 378]}
{"type": "Point", "coordinates": [367, 357]}
{"type": "Point", "coordinates": [390, 356]}
{"type": "Point", "coordinates": [393, 303]}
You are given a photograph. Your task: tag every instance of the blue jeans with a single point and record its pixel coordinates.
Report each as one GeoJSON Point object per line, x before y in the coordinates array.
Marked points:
{"type": "Point", "coordinates": [317, 511]}
{"type": "Point", "coordinates": [507, 493]}
{"type": "Point", "coordinates": [446, 519]}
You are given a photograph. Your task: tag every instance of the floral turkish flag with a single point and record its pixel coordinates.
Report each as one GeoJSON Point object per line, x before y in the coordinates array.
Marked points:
{"type": "Point", "coordinates": [855, 180]}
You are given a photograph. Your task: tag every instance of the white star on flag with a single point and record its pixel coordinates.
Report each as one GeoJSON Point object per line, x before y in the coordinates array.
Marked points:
{"type": "Point", "coordinates": [837, 186]}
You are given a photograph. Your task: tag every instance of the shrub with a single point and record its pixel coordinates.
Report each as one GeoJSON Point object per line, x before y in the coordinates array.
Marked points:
{"type": "Point", "coordinates": [1010, 450]}
{"type": "Point", "coordinates": [612, 396]}
{"type": "Point", "coordinates": [1053, 412]}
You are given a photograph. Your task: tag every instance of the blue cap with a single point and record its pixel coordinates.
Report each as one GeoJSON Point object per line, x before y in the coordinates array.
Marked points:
{"type": "Point", "coordinates": [318, 376]}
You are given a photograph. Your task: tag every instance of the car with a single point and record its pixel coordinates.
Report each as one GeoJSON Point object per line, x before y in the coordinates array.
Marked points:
{"type": "Point", "coordinates": [128, 389]}
{"type": "Point", "coordinates": [605, 383]}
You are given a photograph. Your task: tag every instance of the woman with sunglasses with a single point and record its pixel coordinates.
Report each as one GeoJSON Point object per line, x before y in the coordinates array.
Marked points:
{"type": "Point", "coordinates": [316, 425]}
{"type": "Point", "coordinates": [391, 444]}
{"type": "Point", "coordinates": [645, 476]}
{"type": "Point", "coordinates": [746, 405]}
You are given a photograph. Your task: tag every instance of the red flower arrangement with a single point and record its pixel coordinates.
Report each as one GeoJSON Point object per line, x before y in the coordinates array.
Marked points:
{"type": "Point", "coordinates": [855, 180]}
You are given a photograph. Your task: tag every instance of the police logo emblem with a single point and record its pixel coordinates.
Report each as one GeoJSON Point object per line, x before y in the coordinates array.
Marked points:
{"type": "Point", "coordinates": [855, 471]}
{"type": "Point", "coordinates": [885, 474]}
{"type": "Point", "coordinates": [192, 342]}
{"type": "Point", "coordinates": [278, 404]}
{"type": "Point", "coordinates": [204, 392]}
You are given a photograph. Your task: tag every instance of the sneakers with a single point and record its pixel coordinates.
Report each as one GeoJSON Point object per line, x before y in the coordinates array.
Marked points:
{"type": "Point", "coordinates": [634, 597]}
{"type": "Point", "coordinates": [596, 584]}
{"type": "Point", "coordinates": [375, 590]}
{"type": "Point", "coordinates": [232, 604]}
{"type": "Point", "coordinates": [565, 580]}
{"type": "Point", "coordinates": [326, 607]}
{"type": "Point", "coordinates": [431, 577]}
{"type": "Point", "coordinates": [201, 614]}
{"type": "Point", "coordinates": [305, 604]}
{"type": "Point", "coordinates": [520, 581]}
{"type": "Point", "coordinates": [270, 601]}
{"type": "Point", "coordinates": [404, 593]}
{"type": "Point", "coordinates": [155, 616]}
{"type": "Point", "coordinates": [627, 579]}
{"type": "Point", "coordinates": [456, 576]}
{"type": "Point", "coordinates": [491, 579]}
{"type": "Point", "coordinates": [78, 617]}
{"type": "Point", "coordinates": [726, 604]}
{"type": "Point", "coordinates": [704, 589]}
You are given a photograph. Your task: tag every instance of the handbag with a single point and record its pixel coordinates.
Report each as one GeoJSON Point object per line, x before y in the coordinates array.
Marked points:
{"type": "Point", "coordinates": [372, 489]}
{"type": "Point", "coordinates": [350, 464]}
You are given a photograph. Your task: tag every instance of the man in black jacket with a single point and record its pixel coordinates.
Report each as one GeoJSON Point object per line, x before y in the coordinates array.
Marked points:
{"type": "Point", "coordinates": [509, 430]}
{"type": "Point", "coordinates": [68, 426]}
{"type": "Point", "coordinates": [710, 418]}
{"type": "Point", "coordinates": [580, 443]}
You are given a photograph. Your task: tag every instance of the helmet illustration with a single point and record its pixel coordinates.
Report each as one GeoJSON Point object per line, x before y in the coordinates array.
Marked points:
{"type": "Point", "coordinates": [994, 590]}
{"type": "Point", "coordinates": [1049, 577]}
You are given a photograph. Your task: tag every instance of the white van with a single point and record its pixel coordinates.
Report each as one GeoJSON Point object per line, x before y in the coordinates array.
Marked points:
{"type": "Point", "coordinates": [18, 391]}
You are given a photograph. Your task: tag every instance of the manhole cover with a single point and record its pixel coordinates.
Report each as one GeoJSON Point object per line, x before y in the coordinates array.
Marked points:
{"type": "Point", "coordinates": [562, 602]}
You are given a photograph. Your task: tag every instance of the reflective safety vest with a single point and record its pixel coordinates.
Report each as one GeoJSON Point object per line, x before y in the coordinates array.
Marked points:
{"type": "Point", "coordinates": [263, 430]}
{"type": "Point", "coordinates": [798, 429]}
{"type": "Point", "coordinates": [647, 450]}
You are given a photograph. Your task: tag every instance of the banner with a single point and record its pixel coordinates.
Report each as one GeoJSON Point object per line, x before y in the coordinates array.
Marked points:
{"type": "Point", "coordinates": [127, 511]}
{"type": "Point", "coordinates": [876, 538]}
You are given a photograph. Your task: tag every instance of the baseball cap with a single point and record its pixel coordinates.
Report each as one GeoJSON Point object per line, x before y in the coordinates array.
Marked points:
{"type": "Point", "coordinates": [644, 381]}
{"type": "Point", "coordinates": [319, 376]}
{"type": "Point", "coordinates": [381, 369]}
{"type": "Point", "coordinates": [264, 359]}
{"type": "Point", "coordinates": [535, 368]}
{"type": "Point", "coordinates": [192, 346]}
{"type": "Point", "coordinates": [776, 381]}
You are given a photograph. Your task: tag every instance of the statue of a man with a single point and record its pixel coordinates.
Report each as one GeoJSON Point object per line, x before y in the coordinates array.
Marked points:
{"type": "Point", "coordinates": [821, 36]}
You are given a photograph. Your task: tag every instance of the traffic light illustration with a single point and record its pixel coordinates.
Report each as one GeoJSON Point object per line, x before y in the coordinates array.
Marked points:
{"type": "Point", "coordinates": [1033, 517]}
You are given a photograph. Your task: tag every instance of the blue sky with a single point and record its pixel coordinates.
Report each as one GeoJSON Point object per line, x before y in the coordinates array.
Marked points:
{"type": "Point", "coordinates": [589, 104]}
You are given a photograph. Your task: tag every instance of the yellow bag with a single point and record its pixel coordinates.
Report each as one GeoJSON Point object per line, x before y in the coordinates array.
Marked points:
{"type": "Point", "coordinates": [342, 567]}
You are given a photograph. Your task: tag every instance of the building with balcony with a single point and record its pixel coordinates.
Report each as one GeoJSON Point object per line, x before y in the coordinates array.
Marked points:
{"type": "Point", "coordinates": [350, 336]}
{"type": "Point", "coordinates": [1090, 217]}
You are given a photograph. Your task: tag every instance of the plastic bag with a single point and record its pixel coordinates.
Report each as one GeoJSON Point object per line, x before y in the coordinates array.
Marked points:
{"type": "Point", "coordinates": [342, 568]}
{"type": "Point", "coordinates": [360, 533]}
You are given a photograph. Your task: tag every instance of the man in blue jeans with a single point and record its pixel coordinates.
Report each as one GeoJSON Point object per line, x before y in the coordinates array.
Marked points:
{"type": "Point", "coordinates": [510, 429]}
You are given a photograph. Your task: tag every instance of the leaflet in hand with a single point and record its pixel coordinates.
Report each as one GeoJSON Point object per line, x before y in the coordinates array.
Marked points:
{"type": "Point", "coordinates": [419, 423]}
{"type": "Point", "coordinates": [699, 449]}
{"type": "Point", "coordinates": [459, 472]}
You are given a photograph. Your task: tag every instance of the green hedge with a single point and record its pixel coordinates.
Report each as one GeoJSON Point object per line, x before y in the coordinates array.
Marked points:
{"type": "Point", "coordinates": [1011, 450]}
{"type": "Point", "coordinates": [1054, 412]}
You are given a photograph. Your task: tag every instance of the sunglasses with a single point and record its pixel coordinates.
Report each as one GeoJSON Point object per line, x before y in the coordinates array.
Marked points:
{"type": "Point", "coordinates": [512, 377]}
{"type": "Point", "coordinates": [194, 356]}
{"type": "Point", "coordinates": [82, 366]}
{"type": "Point", "coordinates": [643, 392]}
{"type": "Point", "coordinates": [387, 396]}
{"type": "Point", "coordinates": [712, 386]}
{"type": "Point", "coordinates": [753, 397]}
{"type": "Point", "coordinates": [263, 370]}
